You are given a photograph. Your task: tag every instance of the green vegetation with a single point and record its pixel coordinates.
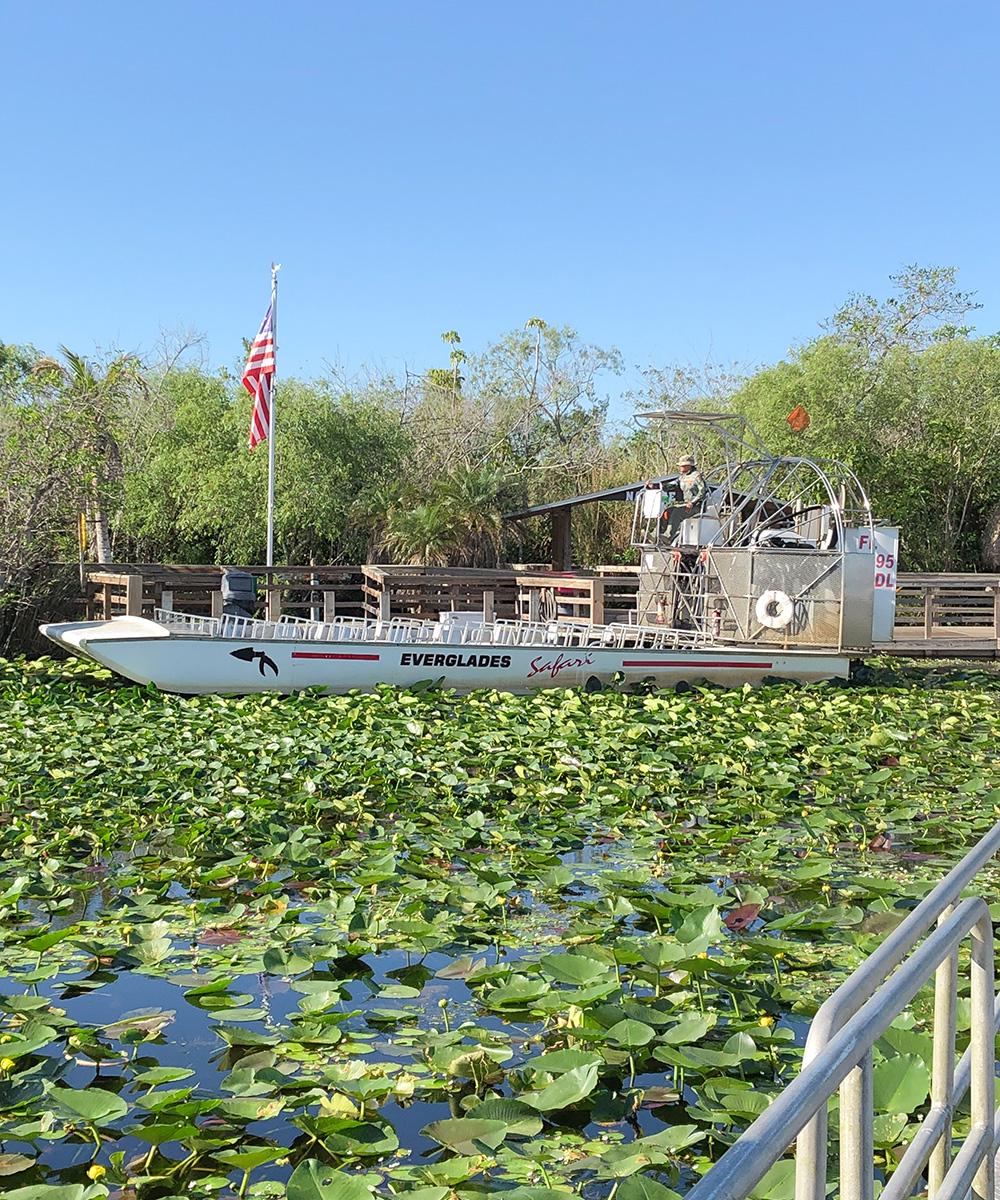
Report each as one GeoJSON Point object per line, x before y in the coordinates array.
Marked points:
{"type": "Point", "coordinates": [419, 468]}
{"type": "Point", "coordinates": [438, 946]}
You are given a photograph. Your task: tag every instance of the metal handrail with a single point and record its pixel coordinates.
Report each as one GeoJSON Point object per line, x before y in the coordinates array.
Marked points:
{"type": "Point", "coordinates": [416, 630]}
{"type": "Point", "coordinates": [839, 1054]}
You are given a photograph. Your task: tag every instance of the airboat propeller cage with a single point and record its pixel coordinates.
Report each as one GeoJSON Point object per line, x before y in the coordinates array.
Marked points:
{"type": "Point", "coordinates": [781, 550]}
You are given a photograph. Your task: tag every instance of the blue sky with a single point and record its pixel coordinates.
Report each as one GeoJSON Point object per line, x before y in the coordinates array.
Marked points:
{"type": "Point", "coordinates": [684, 181]}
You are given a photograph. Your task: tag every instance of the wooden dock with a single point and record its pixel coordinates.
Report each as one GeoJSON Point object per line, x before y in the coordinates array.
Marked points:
{"type": "Point", "coordinates": [937, 615]}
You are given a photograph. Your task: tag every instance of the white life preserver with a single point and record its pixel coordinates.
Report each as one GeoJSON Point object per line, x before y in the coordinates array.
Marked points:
{"type": "Point", "coordinates": [775, 609]}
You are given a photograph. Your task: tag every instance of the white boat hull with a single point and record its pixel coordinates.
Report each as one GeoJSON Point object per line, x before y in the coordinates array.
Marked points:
{"type": "Point", "coordinates": [148, 653]}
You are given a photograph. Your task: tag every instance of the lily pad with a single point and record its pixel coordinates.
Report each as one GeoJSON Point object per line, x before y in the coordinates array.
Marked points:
{"type": "Point", "coordinates": [466, 1135]}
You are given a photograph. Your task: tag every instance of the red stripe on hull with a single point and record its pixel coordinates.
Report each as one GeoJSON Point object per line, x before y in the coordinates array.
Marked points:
{"type": "Point", "coordinates": [352, 657]}
{"type": "Point", "coordinates": [641, 662]}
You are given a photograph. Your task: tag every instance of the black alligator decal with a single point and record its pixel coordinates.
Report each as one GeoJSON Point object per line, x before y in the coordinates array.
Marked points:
{"type": "Point", "coordinates": [248, 654]}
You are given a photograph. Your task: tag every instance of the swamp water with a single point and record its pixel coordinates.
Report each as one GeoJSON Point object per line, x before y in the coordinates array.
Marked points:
{"type": "Point", "coordinates": [547, 945]}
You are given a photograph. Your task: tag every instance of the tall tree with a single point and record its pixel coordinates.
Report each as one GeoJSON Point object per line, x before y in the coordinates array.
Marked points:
{"type": "Point", "coordinates": [97, 394]}
{"type": "Point", "coordinates": [538, 391]}
{"type": "Point", "coordinates": [910, 400]}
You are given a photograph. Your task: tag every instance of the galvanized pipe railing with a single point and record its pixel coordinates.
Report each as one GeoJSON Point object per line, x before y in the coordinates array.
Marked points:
{"type": "Point", "coordinates": [839, 1054]}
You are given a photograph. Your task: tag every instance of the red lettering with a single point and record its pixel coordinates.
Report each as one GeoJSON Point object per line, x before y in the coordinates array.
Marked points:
{"type": "Point", "coordinates": [553, 666]}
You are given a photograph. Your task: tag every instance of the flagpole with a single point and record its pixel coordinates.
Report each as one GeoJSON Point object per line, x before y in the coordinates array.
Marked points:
{"type": "Point", "coordinates": [275, 268]}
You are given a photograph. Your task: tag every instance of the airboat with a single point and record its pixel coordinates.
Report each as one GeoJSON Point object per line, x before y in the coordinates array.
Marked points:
{"type": "Point", "coordinates": [779, 571]}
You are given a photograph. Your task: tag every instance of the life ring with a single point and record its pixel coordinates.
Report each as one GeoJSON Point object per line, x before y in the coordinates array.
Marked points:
{"type": "Point", "coordinates": [775, 609]}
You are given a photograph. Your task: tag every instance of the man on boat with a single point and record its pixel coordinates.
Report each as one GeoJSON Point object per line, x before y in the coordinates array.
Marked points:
{"type": "Point", "coordinates": [692, 484]}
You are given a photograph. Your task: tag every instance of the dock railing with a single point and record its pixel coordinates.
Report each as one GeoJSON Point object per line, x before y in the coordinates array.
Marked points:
{"type": "Point", "coordinates": [137, 589]}
{"type": "Point", "coordinates": [838, 1054]}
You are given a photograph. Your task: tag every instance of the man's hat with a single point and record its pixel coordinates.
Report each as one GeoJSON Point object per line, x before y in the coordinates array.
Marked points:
{"type": "Point", "coordinates": [685, 460]}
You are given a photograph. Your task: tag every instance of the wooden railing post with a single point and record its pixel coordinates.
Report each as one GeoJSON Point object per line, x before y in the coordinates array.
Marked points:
{"type": "Point", "coordinates": [133, 595]}
{"type": "Point", "coordinates": [329, 604]}
{"type": "Point", "coordinates": [928, 612]}
{"type": "Point", "coordinates": [597, 602]}
{"type": "Point", "coordinates": [488, 611]}
{"type": "Point", "coordinates": [273, 602]}
{"type": "Point", "coordinates": [217, 604]}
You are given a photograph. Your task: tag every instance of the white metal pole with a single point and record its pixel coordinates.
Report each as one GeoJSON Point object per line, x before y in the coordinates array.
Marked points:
{"type": "Point", "coordinates": [275, 268]}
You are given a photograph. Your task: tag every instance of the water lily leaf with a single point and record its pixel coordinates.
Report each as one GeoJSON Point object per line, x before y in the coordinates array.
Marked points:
{"type": "Point", "coordinates": [338, 1105]}
{"type": "Point", "coordinates": [342, 1135]}
{"type": "Point", "coordinates": [15, 1092]}
{"type": "Point", "coordinates": [695, 1057]}
{"type": "Point", "coordinates": [818, 869]}
{"type": "Point", "coordinates": [900, 1084]}
{"type": "Point", "coordinates": [251, 1108]}
{"type": "Point", "coordinates": [557, 1062]}
{"type": "Point", "coordinates": [93, 1104]}
{"type": "Point", "coordinates": [14, 1164]}
{"type": "Point", "coordinates": [236, 1036]}
{"type": "Point", "coordinates": [155, 1101]}
{"type": "Point", "coordinates": [570, 1088]}
{"type": "Point", "coordinates": [148, 1022]}
{"type": "Point", "coordinates": [150, 952]}
{"type": "Point", "coordinates": [517, 993]}
{"type": "Point", "coordinates": [572, 968]}
{"type": "Point", "coordinates": [640, 1187]}
{"type": "Point", "coordinates": [461, 968]}
{"type": "Point", "coordinates": [909, 1041]}
{"type": "Point", "coordinates": [690, 1028]}
{"type": "Point", "coordinates": [741, 1044]}
{"type": "Point", "coordinates": [243, 1081]}
{"type": "Point", "coordinates": [741, 918]}
{"type": "Point", "coordinates": [316, 1033]}
{"type": "Point", "coordinates": [631, 1033]}
{"type": "Point", "coordinates": [397, 991]}
{"type": "Point", "coordinates": [220, 937]}
{"type": "Point", "coordinates": [162, 1130]}
{"type": "Point", "coordinates": [285, 962]}
{"type": "Point", "coordinates": [156, 1075]}
{"type": "Point", "coordinates": [746, 1104]}
{"type": "Point", "coordinates": [24, 1003]}
{"type": "Point", "coordinates": [249, 1157]}
{"type": "Point", "coordinates": [203, 989]}
{"type": "Point", "coordinates": [883, 922]}
{"type": "Point", "coordinates": [673, 1138]}
{"type": "Point", "coordinates": [45, 941]}
{"type": "Point", "coordinates": [15, 889]}
{"type": "Point", "coordinates": [701, 922]}
{"type": "Point", "coordinates": [888, 1129]}
{"type": "Point", "coordinates": [778, 1183]}
{"type": "Point", "coordinates": [462, 1133]}
{"type": "Point", "coordinates": [37, 1039]}
{"type": "Point", "coordinates": [521, 1119]}
{"type": "Point", "coordinates": [313, 1180]}
{"type": "Point", "coordinates": [57, 1191]}
{"type": "Point", "coordinates": [537, 1193]}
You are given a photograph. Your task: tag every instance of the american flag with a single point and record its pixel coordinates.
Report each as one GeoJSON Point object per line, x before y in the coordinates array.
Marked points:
{"type": "Point", "coordinates": [258, 379]}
